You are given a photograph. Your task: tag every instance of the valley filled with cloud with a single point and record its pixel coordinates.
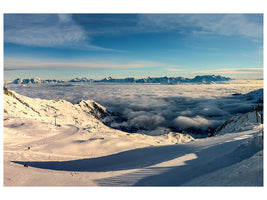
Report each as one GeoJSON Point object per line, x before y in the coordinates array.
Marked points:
{"type": "Point", "coordinates": [156, 109]}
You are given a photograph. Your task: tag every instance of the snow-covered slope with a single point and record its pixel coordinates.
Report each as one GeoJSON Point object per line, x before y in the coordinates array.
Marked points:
{"type": "Point", "coordinates": [50, 110]}
{"type": "Point", "coordinates": [92, 108]}
{"type": "Point", "coordinates": [248, 120]}
{"type": "Point", "coordinates": [255, 96]}
{"type": "Point", "coordinates": [80, 121]}
{"type": "Point", "coordinates": [243, 122]}
{"type": "Point", "coordinates": [81, 150]}
{"type": "Point", "coordinates": [245, 173]}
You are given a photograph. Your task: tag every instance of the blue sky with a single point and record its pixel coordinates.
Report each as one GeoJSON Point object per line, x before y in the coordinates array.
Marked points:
{"type": "Point", "coordinates": [65, 46]}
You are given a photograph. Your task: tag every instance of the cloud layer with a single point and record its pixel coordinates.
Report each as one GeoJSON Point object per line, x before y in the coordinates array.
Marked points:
{"type": "Point", "coordinates": [153, 109]}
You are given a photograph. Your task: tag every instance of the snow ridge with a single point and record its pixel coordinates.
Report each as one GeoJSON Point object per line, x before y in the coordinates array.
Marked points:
{"type": "Point", "coordinates": [256, 96]}
{"type": "Point", "coordinates": [240, 123]}
{"type": "Point", "coordinates": [47, 110]}
{"type": "Point", "coordinates": [9, 93]}
{"type": "Point", "coordinates": [93, 108]}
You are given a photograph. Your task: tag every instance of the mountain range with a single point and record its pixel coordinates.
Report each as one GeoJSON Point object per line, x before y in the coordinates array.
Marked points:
{"type": "Point", "coordinates": [205, 79]}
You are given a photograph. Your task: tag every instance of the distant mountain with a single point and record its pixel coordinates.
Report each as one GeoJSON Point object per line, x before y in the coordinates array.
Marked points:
{"type": "Point", "coordinates": [81, 80]}
{"type": "Point", "coordinates": [169, 80]}
{"type": "Point", "coordinates": [111, 80]}
{"type": "Point", "coordinates": [205, 79]}
{"type": "Point", "coordinates": [35, 81]}
{"type": "Point", "coordinates": [209, 79]}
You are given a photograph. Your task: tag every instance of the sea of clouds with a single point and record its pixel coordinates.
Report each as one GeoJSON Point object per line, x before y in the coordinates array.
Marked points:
{"type": "Point", "coordinates": [155, 109]}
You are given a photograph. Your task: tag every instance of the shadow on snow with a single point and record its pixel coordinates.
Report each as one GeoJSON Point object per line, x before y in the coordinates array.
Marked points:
{"type": "Point", "coordinates": [136, 158]}
{"type": "Point", "coordinates": [208, 159]}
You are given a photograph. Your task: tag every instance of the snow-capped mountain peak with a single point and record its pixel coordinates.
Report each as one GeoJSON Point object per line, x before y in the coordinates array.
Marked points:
{"type": "Point", "coordinates": [93, 108]}
{"type": "Point", "coordinates": [205, 79]}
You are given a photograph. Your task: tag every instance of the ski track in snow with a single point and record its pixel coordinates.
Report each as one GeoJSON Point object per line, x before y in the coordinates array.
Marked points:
{"type": "Point", "coordinates": [159, 166]}
{"type": "Point", "coordinates": [91, 154]}
{"type": "Point", "coordinates": [202, 160]}
{"type": "Point", "coordinates": [71, 131]}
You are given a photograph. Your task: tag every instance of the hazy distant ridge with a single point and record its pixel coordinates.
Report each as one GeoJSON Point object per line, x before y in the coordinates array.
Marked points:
{"type": "Point", "coordinates": [35, 81]}
{"type": "Point", "coordinates": [207, 79]}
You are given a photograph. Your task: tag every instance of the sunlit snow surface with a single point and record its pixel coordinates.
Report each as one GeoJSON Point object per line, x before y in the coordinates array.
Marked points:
{"type": "Point", "coordinates": [92, 154]}
{"type": "Point", "coordinates": [151, 109]}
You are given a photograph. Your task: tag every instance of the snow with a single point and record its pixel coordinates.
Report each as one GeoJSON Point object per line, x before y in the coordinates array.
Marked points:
{"type": "Point", "coordinates": [257, 95]}
{"type": "Point", "coordinates": [85, 152]}
{"type": "Point", "coordinates": [245, 173]}
{"type": "Point", "coordinates": [240, 123]}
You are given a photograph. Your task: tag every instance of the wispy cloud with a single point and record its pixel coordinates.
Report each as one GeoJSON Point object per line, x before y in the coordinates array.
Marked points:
{"type": "Point", "coordinates": [174, 70]}
{"type": "Point", "coordinates": [231, 71]}
{"type": "Point", "coordinates": [46, 30]}
{"type": "Point", "coordinates": [62, 30]}
{"type": "Point", "coordinates": [28, 64]}
{"type": "Point", "coordinates": [220, 24]}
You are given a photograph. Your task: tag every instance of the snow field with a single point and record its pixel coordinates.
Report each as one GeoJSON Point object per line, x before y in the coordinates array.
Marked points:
{"type": "Point", "coordinates": [88, 153]}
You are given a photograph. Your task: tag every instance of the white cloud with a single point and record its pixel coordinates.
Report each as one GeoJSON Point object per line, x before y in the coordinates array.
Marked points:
{"type": "Point", "coordinates": [44, 30]}
{"type": "Point", "coordinates": [231, 71]}
{"type": "Point", "coordinates": [51, 30]}
{"type": "Point", "coordinates": [174, 70]}
{"type": "Point", "coordinates": [24, 63]}
{"type": "Point", "coordinates": [195, 122]}
{"type": "Point", "coordinates": [221, 24]}
{"type": "Point", "coordinates": [146, 121]}
{"type": "Point", "coordinates": [65, 17]}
